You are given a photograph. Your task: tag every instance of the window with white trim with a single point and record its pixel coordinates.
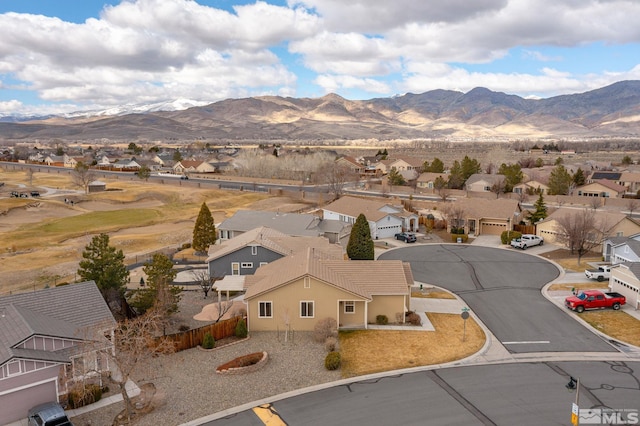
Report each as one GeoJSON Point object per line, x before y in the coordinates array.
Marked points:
{"type": "Point", "coordinates": [235, 268]}
{"type": "Point", "coordinates": [306, 309]}
{"type": "Point", "coordinates": [350, 307]}
{"type": "Point", "coordinates": [246, 265]}
{"type": "Point", "coordinates": [265, 309]}
{"type": "Point", "coordinates": [254, 250]}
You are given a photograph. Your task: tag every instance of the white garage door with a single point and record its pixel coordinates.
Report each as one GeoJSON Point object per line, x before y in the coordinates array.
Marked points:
{"type": "Point", "coordinates": [16, 404]}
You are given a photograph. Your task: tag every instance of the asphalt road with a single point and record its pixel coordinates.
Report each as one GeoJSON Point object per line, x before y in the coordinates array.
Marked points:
{"type": "Point", "coordinates": [502, 287]}
{"type": "Point", "coordinates": [507, 394]}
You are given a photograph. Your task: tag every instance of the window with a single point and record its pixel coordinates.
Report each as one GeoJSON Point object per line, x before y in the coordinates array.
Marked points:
{"type": "Point", "coordinates": [307, 282]}
{"type": "Point", "coordinates": [350, 307]}
{"type": "Point", "coordinates": [263, 263]}
{"type": "Point", "coordinates": [306, 309]}
{"type": "Point", "coordinates": [246, 265]}
{"type": "Point", "coordinates": [254, 250]}
{"type": "Point", "coordinates": [265, 310]}
{"type": "Point", "coordinates": [235, 268]}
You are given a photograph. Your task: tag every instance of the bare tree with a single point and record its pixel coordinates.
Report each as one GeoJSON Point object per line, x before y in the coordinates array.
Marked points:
{"type": "Point", "coordinates": [441, 187]}
{"type": "Point", "coordinates": [337, 176]}
{"type": "Point", "coordinates": [583, 230]}
{"type": "Point", "coordinates": [632, 205]}
{"type": "Point", "coordinates": [205, 281]}
{"type": "Point", "coordinates": [498, 187]}
{"type": "Point", "coordinates": [454, 215]}
{"type": "Point", "coordinates": [83, 175]}
{"type": "Point", "coordinates": [595, 203]}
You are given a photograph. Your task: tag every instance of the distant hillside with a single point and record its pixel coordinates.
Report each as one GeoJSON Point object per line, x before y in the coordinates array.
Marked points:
{"type": "Point", "coordinates": [612, 111]}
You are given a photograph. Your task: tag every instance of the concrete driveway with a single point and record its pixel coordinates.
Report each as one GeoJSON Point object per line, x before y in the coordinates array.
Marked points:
{"type": "Point", "coordinates": [503, 288]}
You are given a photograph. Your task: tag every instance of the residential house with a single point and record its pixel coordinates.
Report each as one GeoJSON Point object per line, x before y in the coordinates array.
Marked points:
{"type": "Point", "coordinates": [599, 175]}
{"type": "Point", "coordinates": [247, 252]}
{"type": "Point", "coordinates": [483, 182]}
{"type": "Point", "coordinates": [531, 187]}
{"type": "Point", "coordinates": [126, 164]}
{"type": "Point", "coordinates": [385, 219]}
{"type": "Point", "coordinates": [60, 161]}
{"type": "Point", "coordinates": [625, 279]}
{"type": "Point", "coordinates": [42, 348]}
{"type": "Point", "coordinates": [621, 249]}
{"type": "Point", "coordinates": [477, 216]}
{"type": "Point", "coordinates": [400, 164]}
{"type": "Point", "coordinates": [427, 180]}
{"type": "Point", "coordinates": [350, 164]}
{"type": "Point", "coordinates": [612, 223]}
{"type": "Point", "coordinates": [297, 291]}
{"type": "Point", "coordinates": [193, 166]}
{"type": "Point", "coordinates": [631, 181]}
{"type": "Point", "coordinates": [294, 224]}
{"type": "Point", "coordinates": [383, 167]}
{"type": "Point", "coordinates": [601, 188]}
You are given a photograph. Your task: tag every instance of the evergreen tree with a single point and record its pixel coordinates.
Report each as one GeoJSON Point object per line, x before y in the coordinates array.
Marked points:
{"type": "Point", "coordinates": [541, 210]}
{"type": "Point", "coordinates": [512, 175]}
{"type": "Point", "coordinates": [160, 291]}
{"type": "Point", "coordinates": [204, 232]}
{"type": "Point", "coordinates": [436, 166]}
{"type": "Point", "coordinates": [579, 178]}
{"type": "Point", "coordinates": [559, 180]}
{"type": "Point", "coordinates": [456, 176]}
{"type": "Point", "coordinates": [104, 265]}
{"type": "Point", "coordinates": [469, 167]}
{"type": "Point", "coordinates": [360, 246]}
{"type": "Point", "coordinates": [395, 178]}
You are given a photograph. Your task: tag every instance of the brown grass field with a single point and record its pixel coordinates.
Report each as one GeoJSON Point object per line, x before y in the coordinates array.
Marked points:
{"type": "Point", "coordinates": [617, 324]}
{"type": "Point", "coordinates": [373, 351]}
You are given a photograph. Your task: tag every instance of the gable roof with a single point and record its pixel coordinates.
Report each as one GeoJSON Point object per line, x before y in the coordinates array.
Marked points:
{"type": "Point", "coordinates": [612, 218]}
{"type": "Point", "coordinates": [56, 312]}
{"type": "Point", "coordinates": [273, 240]}
{"type": "Point", "coordinates": [363, 278]}
{"type": "Point", "coordinates": [353, 206]}
{"type": "Point", "coordinates": [605, 175]}
{"type": "Point", "coordinates": [287, 223]}
{"type": "Point", "coordinates": [480, 208]}
{"type": "Point", "coordinates": [489, 178]}
{"type": "Point", "coordinates": [607, 184]}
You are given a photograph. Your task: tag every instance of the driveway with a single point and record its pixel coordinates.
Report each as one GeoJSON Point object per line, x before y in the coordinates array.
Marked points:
{"type": "Point", "coordinates": [502, 286]}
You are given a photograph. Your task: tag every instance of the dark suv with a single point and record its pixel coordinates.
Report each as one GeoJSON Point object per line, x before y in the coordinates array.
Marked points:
{"type": "Point", "coordinates": [406, 237]}
{"type": "Point", "coordinates": [48, 414]}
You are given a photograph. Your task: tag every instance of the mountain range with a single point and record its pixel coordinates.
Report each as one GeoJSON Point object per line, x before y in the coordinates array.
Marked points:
{"type": "Point", "coordinates": [611, 111]}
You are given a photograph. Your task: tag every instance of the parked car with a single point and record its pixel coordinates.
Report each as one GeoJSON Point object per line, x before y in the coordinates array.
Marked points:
{"type": "Point", "coordinates": [600, 274]}
{"type": "Point", "coordinates": [184, 177]}
{"type": "Point", "coordinates": [526, 241]}
{"type": "Point", "coordinates": [48, 414]}
{"type": "Point", "coordinates": [594, 299]}
{"type": "Point", "coordinates": [406, 237]}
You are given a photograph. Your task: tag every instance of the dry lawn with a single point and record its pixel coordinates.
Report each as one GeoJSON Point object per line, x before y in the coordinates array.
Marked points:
{"type": "Point", "coordinates": [42, 240]}
{"type": "Point", "coordinates": [617, 324]}
{"type": "Point", "coordinates": [373, 351]}
{"type": "Point", "coordinates": [579, 286]}
{"type": "Point", "coordinates": [432, 294]}
{"type": "Point", "coordinates": [569, 262]}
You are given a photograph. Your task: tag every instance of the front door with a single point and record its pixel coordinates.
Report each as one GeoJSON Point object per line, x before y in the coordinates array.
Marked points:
{"type": "Point", "coordinates": [472, 227]}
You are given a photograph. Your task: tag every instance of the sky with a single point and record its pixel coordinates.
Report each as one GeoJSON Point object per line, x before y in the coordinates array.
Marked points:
{"type": "Point", "coordinates": [61, 56]}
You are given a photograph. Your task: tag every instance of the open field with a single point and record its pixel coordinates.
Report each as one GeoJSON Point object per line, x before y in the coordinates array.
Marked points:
{"type": "Point", "coordinates": [42, 239]}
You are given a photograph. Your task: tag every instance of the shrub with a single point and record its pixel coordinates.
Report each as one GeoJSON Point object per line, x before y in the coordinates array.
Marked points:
{"type": "Point", "coordinates": [326, 327]}
{"type": "Point", "coordinates": [507, 236]}
{"type": "Point", "coordinates": [382, 320]}
{"type": "Point", "coordinates": [330, 344]}
{"type": "Point", "coordinates": [241, 329]}
{"type": "Point", "coordinates": [82, 396]}
{"type": "Point", "coordinates": [183, 328]}
{"type": "Point", "coordinates": [208, 342]}
{"type": "Point", "coordinates": [332, 361]}
{"type": "Point", "coordinates": [185, 246]}
{"type": "Point", "coordinates": [414, 319]}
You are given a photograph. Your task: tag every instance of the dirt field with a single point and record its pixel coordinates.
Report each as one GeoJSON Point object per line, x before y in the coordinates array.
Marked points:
{"type": "Point", "coordinates": [42, 239]}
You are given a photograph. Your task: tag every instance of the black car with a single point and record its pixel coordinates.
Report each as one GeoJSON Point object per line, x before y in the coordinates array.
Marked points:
{"type": "Point", "coordinates": [406, 237]}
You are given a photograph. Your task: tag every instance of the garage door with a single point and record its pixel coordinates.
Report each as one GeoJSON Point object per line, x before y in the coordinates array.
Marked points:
{"type": "Point", "coordinates": [16, 404]}
{"type": "Point", "coordinates": [489, 228]}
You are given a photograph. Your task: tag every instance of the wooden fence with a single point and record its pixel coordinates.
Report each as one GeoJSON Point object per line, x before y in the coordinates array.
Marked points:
{"type": "Point", "coordinates": [192, 338]}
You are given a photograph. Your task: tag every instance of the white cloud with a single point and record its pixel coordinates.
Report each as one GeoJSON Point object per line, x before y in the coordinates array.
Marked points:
{"type": "Point", "coordinates": [333, 83]}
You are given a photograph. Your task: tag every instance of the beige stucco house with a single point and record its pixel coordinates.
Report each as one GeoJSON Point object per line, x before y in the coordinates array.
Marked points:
{"type": "Point", "coordinates": [297, 291]}
{"type": "Point", "coordinates": [625, 279]}
{"type": "Point", "coordinates": [601, 188]}
{"type": "Point", "coordinates": [531, 187]}
{"type": "Point", "coordinates": [482, 182]}
{"type": "Point", "coordinates": [614, 224]}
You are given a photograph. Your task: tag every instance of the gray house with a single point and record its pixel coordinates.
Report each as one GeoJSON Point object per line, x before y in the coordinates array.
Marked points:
{"type": "Point", "coordinates": [245, 253]}
{"type": "Point", "coordinates": [621, 249]}
{"type": "Point", "coordinates": [42, 346]}
{"type": "Point", "coordinates": [295, 224]}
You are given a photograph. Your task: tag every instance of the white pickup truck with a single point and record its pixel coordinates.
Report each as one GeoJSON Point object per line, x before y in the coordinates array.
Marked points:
{"type": "Point", "coordinates": [600, 274]}
{"type": "Point", "coordinates": [526, 241]}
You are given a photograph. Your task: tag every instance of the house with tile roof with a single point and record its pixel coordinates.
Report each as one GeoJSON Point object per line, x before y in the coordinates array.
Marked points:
{"type": "Point", "coordinates": [245, 253]}
{"type": "Point", "coordinates": [385, 219]}
{"type": "Point", "coordinates": [42, 349]}
{"type": "Point", "coordinates": [297, 291]}
{"type": "Point", "coordinates": [427, 180]}
{"type": "Point", "coordinates": [531, 187]}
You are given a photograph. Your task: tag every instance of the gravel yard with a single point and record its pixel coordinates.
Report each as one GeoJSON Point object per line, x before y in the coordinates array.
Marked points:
{"type": "Point", "coordinates": [191, 388]}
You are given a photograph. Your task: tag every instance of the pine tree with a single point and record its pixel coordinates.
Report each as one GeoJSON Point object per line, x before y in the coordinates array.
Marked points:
{"type": "Point", "coordinates": [541, 210]}
{"type": "Point", "coordinates": [204, 232]}
{"type": "Point", "coordinates": [360, 246]}
{"type": "Point", "coordinates": [160, 291]}
{"type": "Point", "coordinates": [104, 264]}
{"type": "Point", "coordinates": [579, 178]}
{"type": "Point", "coordinates": [559, 181]}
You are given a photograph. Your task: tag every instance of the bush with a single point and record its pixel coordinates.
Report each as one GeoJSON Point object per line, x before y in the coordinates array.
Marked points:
{"type": "Point", "coordinates": [332, 361]}
{"type": "Point", "coordinates": [507, 236]}
{"type": "Point", "coordinates": [185, 246]}
{"type": "Point", "coordinates": [241, 329]}
{"type": "Point", "coordinates": [326, 327]}
{"type": "Point", "coordinates": [382, 320]}
{"type": "Point", "coordinates": [84, 396]}
{"type": "Point", "coordinates": [413, 318]}
{"type": "Point", "coordinates": [330, 344]}
{"type": "Point", "coordinates": [183, 328]}
{"type": "Point", "coordinates": [208, 342]}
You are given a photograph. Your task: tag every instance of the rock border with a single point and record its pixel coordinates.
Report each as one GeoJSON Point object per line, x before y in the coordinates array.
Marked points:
{"type": "Point", "coordinates": [248, 369]}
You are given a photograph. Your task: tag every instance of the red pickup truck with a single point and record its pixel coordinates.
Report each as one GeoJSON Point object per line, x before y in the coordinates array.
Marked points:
{"type": "Point", "coordinates": [594, 299]}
